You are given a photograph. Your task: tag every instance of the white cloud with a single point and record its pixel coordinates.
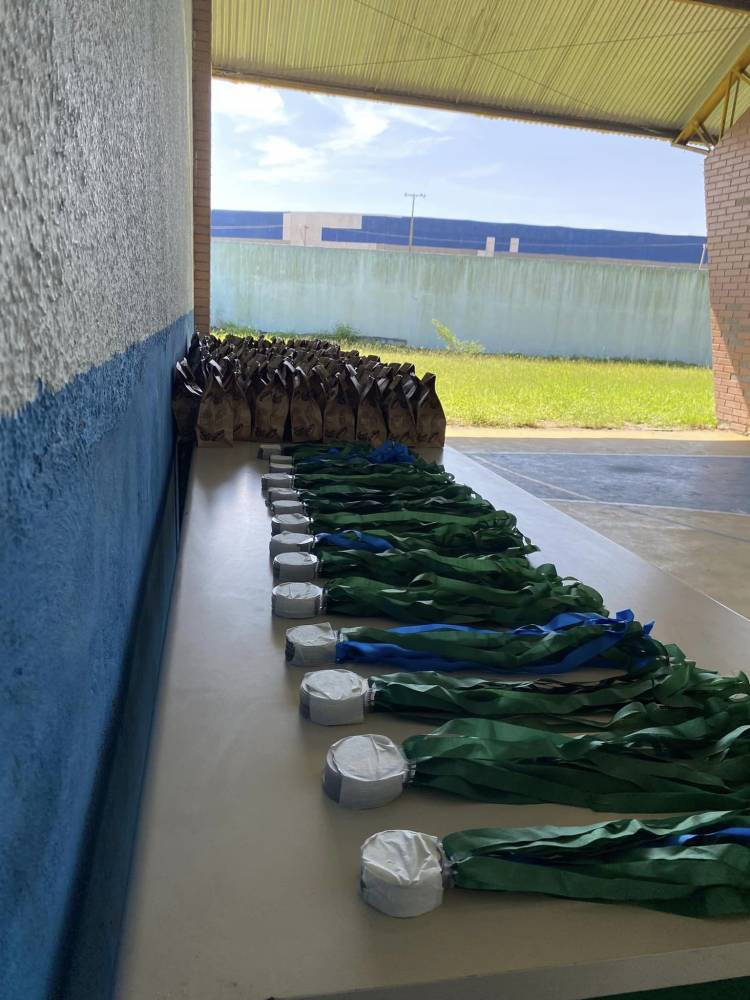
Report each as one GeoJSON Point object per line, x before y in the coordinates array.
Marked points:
{"type": "Point", "coordinates": [427, 118]}
{"type": "Point", "coordinates": [283, 160]}
{"type": "Point", "coordinates": [363, 123]}
{"type": "Point", "coordinates": [247, 103]}
{"type": "Point", "coordinates": [434, 121]}
{"type": "Point", "coordinates": [362, 135]}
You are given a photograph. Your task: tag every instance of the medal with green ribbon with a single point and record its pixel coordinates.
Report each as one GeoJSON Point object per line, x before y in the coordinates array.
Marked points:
{"type": "Point", "coordinates": [702, 763]}
{"type": "Point", "coordinates": [696, 866]}
{"type": "Point", "coordinates": [655, 698]}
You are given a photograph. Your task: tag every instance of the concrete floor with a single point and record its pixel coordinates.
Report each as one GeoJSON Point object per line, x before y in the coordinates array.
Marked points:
{"type": "Point", "coordinates": [680, 501]}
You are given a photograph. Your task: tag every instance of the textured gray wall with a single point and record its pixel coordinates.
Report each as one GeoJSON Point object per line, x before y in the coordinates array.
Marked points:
{"type": "Point", "coordinates": [512, 304]}
{"type": "Point", "coordinates": [95, 169]}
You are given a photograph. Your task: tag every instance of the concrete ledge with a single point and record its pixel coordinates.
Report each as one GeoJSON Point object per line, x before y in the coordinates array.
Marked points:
{"type": "Point", "coordinates": [245, 877]}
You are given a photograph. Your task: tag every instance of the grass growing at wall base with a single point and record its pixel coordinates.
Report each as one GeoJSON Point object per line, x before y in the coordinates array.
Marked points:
{"type": "Point", "coordinates": [497, 390]}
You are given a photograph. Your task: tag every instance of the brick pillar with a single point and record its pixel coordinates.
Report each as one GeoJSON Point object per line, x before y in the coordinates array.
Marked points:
{"type": "Point", "coordinates": [202, 163]}
{"type": "Point", "coordinates": [727, 176]}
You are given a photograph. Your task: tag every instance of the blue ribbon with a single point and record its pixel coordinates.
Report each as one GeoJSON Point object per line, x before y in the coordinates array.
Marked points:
{"type": "Point", "coordinates": [590, 654]}
{"type": "Point", "coordinates": [729, 834]}
{"type": "Point", "coordinates": [353, 539]}
{"type": "Point", "coordinates": [389, 453]}
{"type": "Point", "coordinates": [321, 456]}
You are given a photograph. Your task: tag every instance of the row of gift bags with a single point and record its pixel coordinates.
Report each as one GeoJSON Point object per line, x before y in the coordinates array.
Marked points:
{"type": "Point", "coordinates": [268, 389]}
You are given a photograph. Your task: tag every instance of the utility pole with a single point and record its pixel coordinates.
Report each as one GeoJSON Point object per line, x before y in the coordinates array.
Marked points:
{"type": "Point", "coordinates": [413, 195]}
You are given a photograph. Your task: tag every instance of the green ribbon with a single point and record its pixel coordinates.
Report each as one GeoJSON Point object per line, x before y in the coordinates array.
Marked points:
{"type": "Point", "coordinates": [515, 653]}
{"type": "Point", "coordinates": [683, 865]}
{"type": "Point", "coordinates": [430, 598]}
{"type": "Point", "coordinates": [453, 539]}
{"type": "Point", "coordinates": [373, 477]}
{"type": "Point", "coordinates": [394, 566]}
{"type": "Point", "coordinates": [669, 693]}
{"type": "Point", "coordinates": [412, 521]}
{"type": "Point", "coordinates": [448, 500]}
{"type": "Point", "coordinates": [332, 492]}
{"type": "Point", "coordinates": [702, 763]}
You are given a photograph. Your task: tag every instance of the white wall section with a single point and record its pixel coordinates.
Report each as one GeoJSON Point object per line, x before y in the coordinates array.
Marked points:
{"type": "Point", "coordinates": [513, 304]}
{"type": "Point", "coordinates": [306, 228]}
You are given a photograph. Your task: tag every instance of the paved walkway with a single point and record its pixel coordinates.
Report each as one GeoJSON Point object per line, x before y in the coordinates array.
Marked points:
{"type": "Point", "coordinates": [679, 500]}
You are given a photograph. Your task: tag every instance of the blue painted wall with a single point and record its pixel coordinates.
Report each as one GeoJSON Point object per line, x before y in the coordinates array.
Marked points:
{"type": "Point", "coordinates": [467, 234]}
{"type": "Point", "coordinates": [470, 235]}
{"type": "Point", "coordinates": [96, 301]}
{"type": "Point", "coordinates": [91, 467]}
{"type": "Point", "coordinates": [247, 225]}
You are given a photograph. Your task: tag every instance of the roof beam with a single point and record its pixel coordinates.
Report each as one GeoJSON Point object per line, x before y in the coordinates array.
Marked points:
{"type": "Point", "coordinates": [743, 6]}
{"type": "Point", "coordinates": [719, 94]}
{"type": "Point", "coordinates": [444, 104]}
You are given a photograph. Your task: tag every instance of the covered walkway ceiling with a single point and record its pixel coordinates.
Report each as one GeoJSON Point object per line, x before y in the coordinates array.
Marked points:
{"type": "Point", "coordinates": [669, 69]}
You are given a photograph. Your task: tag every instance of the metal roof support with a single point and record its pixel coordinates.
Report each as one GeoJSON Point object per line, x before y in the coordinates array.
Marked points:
{"type": "Point", "coordinates": [743, 6]}
{"type": "Point", "coordinates": [497, 60]}
{"type": "Point", "coordinates": [734, 101]}
{"type": "Point", "coordinates": [725, 105]}
{"type": "Point", "coordinates": [696, 125]}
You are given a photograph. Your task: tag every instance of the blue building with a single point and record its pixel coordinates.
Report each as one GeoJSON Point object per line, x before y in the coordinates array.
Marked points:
{"type": "Point", "coordinates": [463, 234]}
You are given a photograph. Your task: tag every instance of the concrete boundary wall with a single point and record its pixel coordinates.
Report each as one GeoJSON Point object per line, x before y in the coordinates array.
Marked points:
{"type": "Point", "coordinates": [523, 305]}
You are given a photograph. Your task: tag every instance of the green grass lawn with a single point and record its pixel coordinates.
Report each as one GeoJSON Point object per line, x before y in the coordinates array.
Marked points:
{"type": "Point", "coordinates": [489, 390]}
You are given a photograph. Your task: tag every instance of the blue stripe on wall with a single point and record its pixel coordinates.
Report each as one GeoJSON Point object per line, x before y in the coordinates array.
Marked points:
{"type": "Point", "coordinates": [466, 234]}
{"type": "Point", "coordinates": [86, 471]}
{"type": "Point", "coordinates": [247, 225]}
{"type": "Point", "coordinates": [470, 234]}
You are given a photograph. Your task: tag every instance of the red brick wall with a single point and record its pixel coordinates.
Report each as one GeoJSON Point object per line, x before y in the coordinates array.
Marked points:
{"type": "Point", "coordinates": [202, 162]}
{"type": "Point", "coordinates": [728, 216]}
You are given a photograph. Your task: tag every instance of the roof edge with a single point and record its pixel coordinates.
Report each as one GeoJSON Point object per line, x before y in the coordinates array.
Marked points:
{"type": "Point", "coordinates": [486, 111]}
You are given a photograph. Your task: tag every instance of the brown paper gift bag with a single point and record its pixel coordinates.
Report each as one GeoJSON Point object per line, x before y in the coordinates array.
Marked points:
{"type": "Point", "coordinates": [215, 424]}
{"type": "Point", "coordinates": [242, 415]}
{"type": "Point", "coordinates": [430, 414]}
{"type": "Point", "coordinates": [398, 415]}
{"type": "Point", "coordinates": [271, 407]}
{"type": "Point", "coordinates": [339, 416]}
{"type": "Point", "coordinates": [305, 415]}
{"type": "Point", "coordinates": [370, 421]}
{"type": "Point", "coordinates": [186, 401]}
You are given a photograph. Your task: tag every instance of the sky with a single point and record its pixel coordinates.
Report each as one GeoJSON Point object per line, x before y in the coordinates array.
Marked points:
{"type": "Point", "coordinates": [287, 150]}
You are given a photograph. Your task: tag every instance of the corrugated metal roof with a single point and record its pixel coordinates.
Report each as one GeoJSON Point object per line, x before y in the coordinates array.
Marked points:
{"type": "Point", "coordinates": [636, 66]}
